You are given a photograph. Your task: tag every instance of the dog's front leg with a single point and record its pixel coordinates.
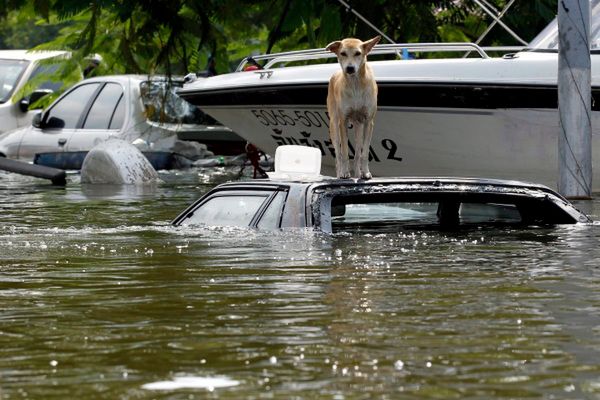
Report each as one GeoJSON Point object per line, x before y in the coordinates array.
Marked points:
{"type": "Point", "coordinates": [366, 146]}
{"type": "Point", "coordinates": [359, 149]}
{"type": "Point", "coordinates": [341, 152]}
{"type": "Point", "coordinates": [344, 162]}
{"type": "Point", "coordinates": [335, 135]}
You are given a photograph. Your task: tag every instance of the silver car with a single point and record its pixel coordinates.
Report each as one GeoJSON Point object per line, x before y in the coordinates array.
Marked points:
{"type": "Point", "coordinates": [380, 205]}
{"type": "Point", "coordinates": [142, 110]}
{"type": "Point", "coordinates": [17, 69]}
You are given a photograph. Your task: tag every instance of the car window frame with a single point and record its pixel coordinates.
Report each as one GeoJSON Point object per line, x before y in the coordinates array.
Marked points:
{"type": "Point", "coordinates": [88, 108]}
{"type": "Point", "coordinates": [321, 206]}
{"type": "Point", "coordinates": [270, 201]}
{"type": "Point", "coordinates": [112, 117]}
{"type": "Point", "coordinates": [84, 112]}
{"type": "Point", "coordinates": [224, 192]}
{"type": "Point", "coordinates": [50, 69]}
{"type": "Point", "coordinates": [19, 81]}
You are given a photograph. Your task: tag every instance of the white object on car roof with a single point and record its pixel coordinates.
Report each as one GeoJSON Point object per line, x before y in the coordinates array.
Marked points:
{"type": "Point", "coordinates": [297, 162]}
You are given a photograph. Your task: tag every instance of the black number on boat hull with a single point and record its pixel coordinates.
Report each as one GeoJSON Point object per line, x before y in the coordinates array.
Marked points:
{"type": "Point", "coordinates": [391, 147]}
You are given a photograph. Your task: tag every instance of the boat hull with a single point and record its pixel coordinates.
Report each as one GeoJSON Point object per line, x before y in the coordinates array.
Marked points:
{"type": "Point", "coordinates": [494, 143]}
{"type": "Point", "coordinates": [493, 117]}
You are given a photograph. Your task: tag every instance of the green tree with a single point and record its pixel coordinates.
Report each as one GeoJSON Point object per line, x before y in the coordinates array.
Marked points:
{"type": "Point", "coordinates": [177, 36]}
{"type": "Point", "coordinates": [19, 30]}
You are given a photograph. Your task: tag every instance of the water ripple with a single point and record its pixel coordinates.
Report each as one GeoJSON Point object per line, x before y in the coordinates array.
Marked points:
{"type": "Point", "coordinates": [102, 298]}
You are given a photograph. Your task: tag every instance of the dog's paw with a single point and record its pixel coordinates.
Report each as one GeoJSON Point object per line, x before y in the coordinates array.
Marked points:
{"type": "Point", "coordinates": [343, 173]}
{"type": "Point", "coordinates": [366, 175]}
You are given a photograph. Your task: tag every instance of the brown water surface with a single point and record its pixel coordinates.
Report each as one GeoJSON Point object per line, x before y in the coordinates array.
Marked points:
{"type": "Point", "coordinates": [101, 299]}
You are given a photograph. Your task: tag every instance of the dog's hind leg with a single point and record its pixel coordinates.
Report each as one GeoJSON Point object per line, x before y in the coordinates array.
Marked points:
{"type": "Point", "coordinates": [366, 147]}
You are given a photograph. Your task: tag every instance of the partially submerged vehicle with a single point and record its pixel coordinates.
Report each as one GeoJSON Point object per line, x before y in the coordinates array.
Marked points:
{"type": "Point", "coordinates": [378, 205]}
{"type": "Point", "coordinates": [139, 109]}
{"type": "Point", "coordinates": [17, 68]}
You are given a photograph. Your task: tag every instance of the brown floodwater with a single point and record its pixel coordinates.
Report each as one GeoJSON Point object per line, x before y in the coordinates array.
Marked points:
{"type": "Point", "coordinates": [100, 298]}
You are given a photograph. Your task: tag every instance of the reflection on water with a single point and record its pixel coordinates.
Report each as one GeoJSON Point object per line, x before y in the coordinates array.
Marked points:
{"type": "Point", "coordinates": [101, 298]}
{"type": "Point", "coordinates": [191, 382]}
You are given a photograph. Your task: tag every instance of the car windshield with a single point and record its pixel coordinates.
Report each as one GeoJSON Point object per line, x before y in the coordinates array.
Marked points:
{"type": "Point", "coordinates": [10, 71]}
{"type": "Point", "coordinates": [163, 105]}
{"type": "Point", "coordinates": [548, 38]}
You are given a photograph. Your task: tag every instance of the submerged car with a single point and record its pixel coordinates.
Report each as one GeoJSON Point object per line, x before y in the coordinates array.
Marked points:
{"type": "Point", "coordinates": [387, 204]}
{"type": "Point", "coordinates": [297, 196]}
{"type": "Point", "coordinates": [17, 69]}
{"type": "Point", "coordinates": [138, 109]}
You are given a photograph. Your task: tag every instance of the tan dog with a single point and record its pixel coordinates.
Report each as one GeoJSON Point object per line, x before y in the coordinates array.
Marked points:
{"type": "Point", "coordinates": [352, 98]}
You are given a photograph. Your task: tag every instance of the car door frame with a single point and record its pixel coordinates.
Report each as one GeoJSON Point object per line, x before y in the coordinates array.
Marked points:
{"type": "Point", "coordinates": [237, 191]}
{"type": "Point", "coordinates": [76, 144]}
{"type": "Point", "coordinates": [61, 135]}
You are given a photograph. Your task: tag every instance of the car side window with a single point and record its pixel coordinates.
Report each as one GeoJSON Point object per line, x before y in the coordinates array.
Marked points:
{"type": "Point", "coordinates": [364, 214]}
{"type": "Point", "coordinates": [118, 117]}
{"type": "Point", "coordinates": [272, 217]}
{"type": "Point", "coordinates": [101, 112]}
{"type": "Point", "coordinates": [227, 210]}
{"type": "Point", "coordinates": [46, 70]}
{"type": "Point", "coordinates": [66, 113]}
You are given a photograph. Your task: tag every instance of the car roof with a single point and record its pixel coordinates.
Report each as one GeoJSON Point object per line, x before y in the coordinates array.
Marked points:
{"type": "Point", "coordinates": [415, 182]}
{"type": "Point", "coordinates": [466, 188]}
{"type": "Point", "coordinates": [447, 184]}
{"type": "Point", "coordinates": [29, 55]}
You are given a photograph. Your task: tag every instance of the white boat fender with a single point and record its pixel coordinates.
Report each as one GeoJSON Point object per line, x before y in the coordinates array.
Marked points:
{"type": "Point", "coordinates": [117, 162]}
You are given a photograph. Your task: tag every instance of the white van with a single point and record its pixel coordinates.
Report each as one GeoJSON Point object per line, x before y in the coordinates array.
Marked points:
{"type": "Point", "coordinates": [17, 67]}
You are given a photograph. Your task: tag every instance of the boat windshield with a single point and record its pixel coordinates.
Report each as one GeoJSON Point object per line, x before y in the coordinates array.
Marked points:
{"type": "Point", "coordinates": [163, 105]}
{"type": "Point", "coordinates": [10, 72]}
{"type": "Point", "coordinates": [548, 38]}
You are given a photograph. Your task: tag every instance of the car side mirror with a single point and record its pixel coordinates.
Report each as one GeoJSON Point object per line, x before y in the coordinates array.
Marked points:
{"type": "Point", "coordinates": [37, 120]}
{"type": "Point", "coordinates": [32, 98]}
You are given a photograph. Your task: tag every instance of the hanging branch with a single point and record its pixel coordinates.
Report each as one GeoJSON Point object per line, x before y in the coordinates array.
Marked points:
{"type": "Point", "coordinates": [275, 34]}
{"type": "Point", "coordinates": [131, 64]}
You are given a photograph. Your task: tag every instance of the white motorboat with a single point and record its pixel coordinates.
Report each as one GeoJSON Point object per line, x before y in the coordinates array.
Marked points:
{"type": "Point", "coordinates": [479, 117]}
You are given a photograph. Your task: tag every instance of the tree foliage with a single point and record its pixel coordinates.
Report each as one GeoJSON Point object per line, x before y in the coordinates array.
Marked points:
{"type": "Point", "coordinates": [178, 36]}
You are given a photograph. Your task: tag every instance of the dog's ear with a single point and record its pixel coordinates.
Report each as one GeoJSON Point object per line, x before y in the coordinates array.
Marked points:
{"type": "Point", "coordinates": [334, 46]}
{"type": "Point", "coordinates": [368, 45]}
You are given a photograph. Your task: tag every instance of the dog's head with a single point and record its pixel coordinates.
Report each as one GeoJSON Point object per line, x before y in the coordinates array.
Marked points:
{"type": "Point", "coordinates": [352, 53]}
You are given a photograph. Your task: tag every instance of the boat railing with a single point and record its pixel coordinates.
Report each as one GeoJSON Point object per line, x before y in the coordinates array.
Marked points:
{"type": "Point", "coordinates": [400, 49]}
